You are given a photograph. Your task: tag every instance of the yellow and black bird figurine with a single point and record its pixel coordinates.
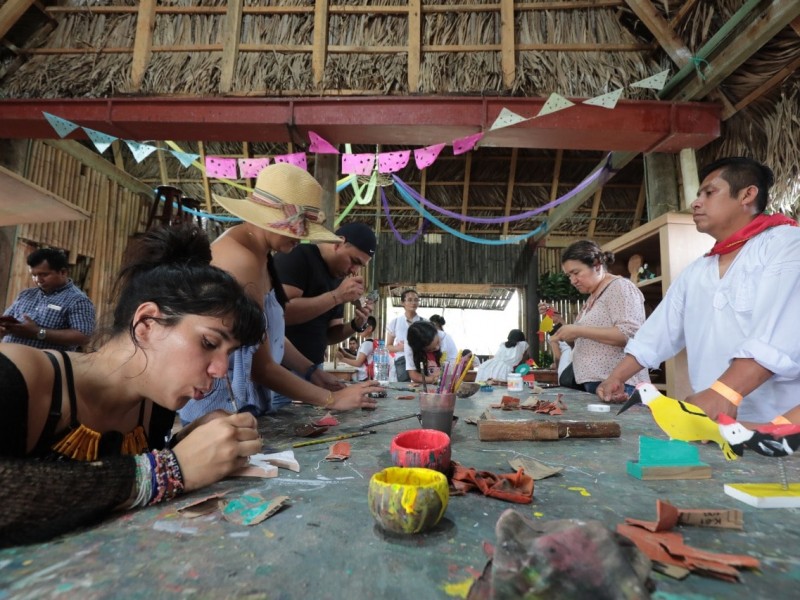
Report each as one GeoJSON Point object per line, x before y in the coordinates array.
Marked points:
{"type": "Point", "coordinates": [679, 420]}
{"type": "Point", "coordinates": [774, 440]}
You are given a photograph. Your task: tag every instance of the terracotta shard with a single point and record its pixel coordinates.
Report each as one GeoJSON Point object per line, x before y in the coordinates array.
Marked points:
{"type": "Point", "coordinates": [327, 421]}
{"type": "Point", "coordinates": [339, 451]}
{"type": "Point", "coordinates": [309, 430]}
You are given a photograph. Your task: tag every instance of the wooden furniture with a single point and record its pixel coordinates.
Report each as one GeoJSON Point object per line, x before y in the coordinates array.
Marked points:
{"type": "Point", "coordinates": [667, 244]}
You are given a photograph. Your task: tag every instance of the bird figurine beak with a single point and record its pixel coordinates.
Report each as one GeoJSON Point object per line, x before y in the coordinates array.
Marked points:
{"type": "Point", "coordinates": [635, 398]}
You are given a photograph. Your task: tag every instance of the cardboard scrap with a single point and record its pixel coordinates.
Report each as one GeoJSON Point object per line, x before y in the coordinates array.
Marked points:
{"type": "Point", "coordinates": [533, 467]}
{"type": "Point", "coordinates": [339, 451]}
{"type": "Point", "coordinates": [284, 460]}
{"type": "Point", "coordinates": [201, 507]}
{"type": "Point", "coordinates": [668, 516]}
{"type": "Point", "coordinates": [252, 509]}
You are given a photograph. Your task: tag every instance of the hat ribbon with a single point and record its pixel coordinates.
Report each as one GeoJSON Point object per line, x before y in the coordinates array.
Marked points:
{"type": "Point", "coordinates": [296, 214]}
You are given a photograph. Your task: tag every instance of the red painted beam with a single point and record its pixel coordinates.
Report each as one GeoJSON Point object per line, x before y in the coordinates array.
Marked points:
{"type": "Point", "coordinates": [641, 126]}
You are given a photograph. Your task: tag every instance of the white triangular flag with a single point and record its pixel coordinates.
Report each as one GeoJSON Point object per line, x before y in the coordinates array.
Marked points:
{"type": "Point", "coordinates": [554, 103]}
{"type": "Point", "coordinates": [506, 118]}
{"type": "Point", "coordinates": [654, 82]}
{"type": "Point", "coordinates": [100, 140]}
{"type": "Point", "coordinates": [608, 100]}
{"type": "Point", "coordinates": [140, 151]}
{"type": "Point", "coordinates": [62, 126]}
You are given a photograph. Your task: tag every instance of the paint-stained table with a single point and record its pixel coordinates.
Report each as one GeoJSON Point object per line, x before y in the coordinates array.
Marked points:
{"type": "Point", "coordinates": [326, 545]}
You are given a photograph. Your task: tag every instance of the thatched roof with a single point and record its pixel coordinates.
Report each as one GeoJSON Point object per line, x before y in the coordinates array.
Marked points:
{"type": "Point", "coordinates": [580, 49]}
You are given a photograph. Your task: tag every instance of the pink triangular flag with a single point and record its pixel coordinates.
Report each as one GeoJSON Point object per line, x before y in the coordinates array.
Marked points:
{"type": "Point", "coordinates": [425, 157]}
{"type": "Point", "coordinates": [251, 167]}
{"type": "Point", "coordinates": [358, 164]}
{"type": "Point", "coordinates": [319, 145]}
{"type": "Point", "coordinates": [222, 168]}
{"type": "Point", "coordinates": [466, 144]}
{"type": "Point", "coordinates": [298, 159]}
{"type": "Point", "coordinates": [391, 162]}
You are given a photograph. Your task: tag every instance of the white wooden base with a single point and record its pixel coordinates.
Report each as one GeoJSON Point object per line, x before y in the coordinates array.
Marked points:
{"type": "Point", "coordinates": [765, 495]}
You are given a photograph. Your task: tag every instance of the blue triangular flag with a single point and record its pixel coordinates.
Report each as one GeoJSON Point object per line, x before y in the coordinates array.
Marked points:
{"type": "Point", "coordinates": [185, 158]}
{"type": "Point", "coordinates": [140, 151]}
{"type": "Point", "coordinates": [62, 126]}
{"type": "Point", "coordinates": [100, 140]}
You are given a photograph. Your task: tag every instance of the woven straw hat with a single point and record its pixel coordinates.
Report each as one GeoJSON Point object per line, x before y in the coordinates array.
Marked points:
{"type": "Point", "coordinates": [286, 200]}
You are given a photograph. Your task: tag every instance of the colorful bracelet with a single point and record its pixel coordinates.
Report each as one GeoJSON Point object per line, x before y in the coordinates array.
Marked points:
{"type": "Point", "coordinates": [726, 392]}
{"type": "Point", "coordinates": [167, 476]}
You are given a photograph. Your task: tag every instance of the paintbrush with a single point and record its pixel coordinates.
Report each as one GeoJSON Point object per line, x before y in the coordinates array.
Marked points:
{"type": "Point", "coordinates": [230, 393]}
{"type": "Point", "coordinates": [335, 438]}
{"type": "Point", "coordinates": [384, 421]}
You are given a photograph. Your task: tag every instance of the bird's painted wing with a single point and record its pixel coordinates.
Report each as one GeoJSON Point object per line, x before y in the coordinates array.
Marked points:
{"type": "Point", "coordinates": [779, 431]}
{"type": "Point", "coordinates": [689, 423]}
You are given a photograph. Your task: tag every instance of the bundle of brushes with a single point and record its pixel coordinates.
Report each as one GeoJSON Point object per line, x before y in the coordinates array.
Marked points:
{"type": "Point", "coordinates": [453, 375]}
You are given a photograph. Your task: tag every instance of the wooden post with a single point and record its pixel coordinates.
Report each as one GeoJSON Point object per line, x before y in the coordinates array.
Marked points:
{"type": "Point", "coordinates": [320, 51]}
{"type": "Point", "coordinates": [414, 44]}
{"type": "Point", "coordinates": [325, 170]}
{"type": "Point", "coordinates": [143, 42]}
{"type": "Point", "coordinates": [689, 179]}
{"type": "Point", "coordinates": [230, 45]}
{"type": "Point", "coordinates": [661, 177]}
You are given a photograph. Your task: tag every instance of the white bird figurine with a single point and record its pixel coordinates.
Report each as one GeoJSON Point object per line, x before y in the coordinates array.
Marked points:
{"type": "Point", "coordinates": [679, 420]}
{"type": "Point", "coordinates": [768, 440]}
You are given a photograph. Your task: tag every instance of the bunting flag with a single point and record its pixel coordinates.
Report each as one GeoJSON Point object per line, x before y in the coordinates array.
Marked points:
{"type": "Point", "coordinates": [220, 167]}
{"type": "Point", "coordinates": [391, 162]}
{"type": "Point", "coordinates": [298, 159]}
{"type": "Point", "coordinates": [608, 100]}
{"type": "Point", "coordinates": [654, 82]}
{"type": "Point", "coordinates": [358, 164]}
{"type": "Point", "coordinates": [100, 140]}
{"type": "Point", "coordinates": [140, 151]}
{"type": "Point", "coordinates": [62, 126]}
{"type": "Point", "coordinates": [319, 145]}
{"type": "Point", "coordinates": [466, 144]}
{"type": "Point", "coordinates": [186, 158]}
{"type": "Point", "coordinates": [251, 167]}
{"type": "Point", "coordinates": [555, 103]}
{"type": "Point", "coordinates": [425, 157]}
{"type": "Point", "coordinates": [506, 118]}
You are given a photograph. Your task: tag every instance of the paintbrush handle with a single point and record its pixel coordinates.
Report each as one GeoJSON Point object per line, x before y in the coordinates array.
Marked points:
{"type": "Point", "coordinates": [392, 420]}
{"type": "Point", "coordinates": [335, 438]}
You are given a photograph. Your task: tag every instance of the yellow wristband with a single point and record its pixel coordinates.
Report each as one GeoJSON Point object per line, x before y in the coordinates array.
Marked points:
{"type": "Point", "coordinates": [726, 392]}
{"type": "Point", "coordinates": [781, 420]}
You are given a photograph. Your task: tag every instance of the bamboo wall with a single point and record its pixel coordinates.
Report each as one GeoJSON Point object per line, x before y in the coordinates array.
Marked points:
{"type": "Point", "coordinates": [94, 246]}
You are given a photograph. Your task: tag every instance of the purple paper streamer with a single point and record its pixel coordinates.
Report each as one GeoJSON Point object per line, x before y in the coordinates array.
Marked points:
{"type": "Point", "coordinates": [398, 237]}
{"type": "Point", "coordinates": [604, 173]}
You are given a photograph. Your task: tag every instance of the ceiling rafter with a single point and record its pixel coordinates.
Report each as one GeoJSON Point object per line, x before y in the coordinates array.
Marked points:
{"type": "Point", "coordinates": [11, 12]}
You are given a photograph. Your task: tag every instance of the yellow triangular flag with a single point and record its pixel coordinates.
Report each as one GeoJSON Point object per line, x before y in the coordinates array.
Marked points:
{"type": "Point", "coordinates": [654, 82]}
{"type": "Point", "coordinates": [506, 118]}
{"type": "Point", "coordinates": [554, 103]}
{"type": "Point", "coordinates": [608, 100]}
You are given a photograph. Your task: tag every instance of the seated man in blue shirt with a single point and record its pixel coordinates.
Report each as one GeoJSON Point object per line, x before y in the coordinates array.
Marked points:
{"type": "Point", "coordinates": [54, 314]}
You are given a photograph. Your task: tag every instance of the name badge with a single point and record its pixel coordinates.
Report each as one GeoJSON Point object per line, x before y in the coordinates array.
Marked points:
{"type": "Point", "coordinates": [53, 307]}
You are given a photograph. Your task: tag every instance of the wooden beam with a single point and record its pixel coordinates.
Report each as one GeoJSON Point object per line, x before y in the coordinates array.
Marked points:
{"type": "Point", "coordinates": [690, 182]}
{"type": "Point", "coordinates": [595, 210]}
{"type": "Point", "coordinates": [94, 161]}
{"type": "Point", "coordinates": [143, 42]}
{"type": "Point", "coordinates": [116, 150]}
{"type": "Point", "coordinates": [796, 25]}
{"type": "Point", "coordinates": [512, 177]}
{"type": "Point", "coordinates": [465, 189]}
{"type": "Point", "coordinates": [637, 214]}
{"type": "Point", "coordinates": [507, 41]}
{"type": "Point", "coordinates": [556, 177]}
{"type": "Point", "coordinates": [414, 43]}
{"type": "Point", "coordinates": [11, 12]}
{"type": "Point", "coordinates": [765, 87]}
{"type": "Point", "coordinates": [682, 12]}
{"type": "Point", "coordinates": [201, 149]}
{"type": "Point", "coordinates": [564, 210]}
{"type": "Point", "coordinates": [230, 45]}
{"type": "Point", "coordinates": [320, 41]}
{"type": "Point", "coordinates": [162, 166]}
{"type": "Point", "coordinates": [777, 15]}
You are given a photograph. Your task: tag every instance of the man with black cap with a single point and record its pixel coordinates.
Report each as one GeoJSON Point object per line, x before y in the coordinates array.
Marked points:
{"type": "Point", "coordinates": [319, 280]}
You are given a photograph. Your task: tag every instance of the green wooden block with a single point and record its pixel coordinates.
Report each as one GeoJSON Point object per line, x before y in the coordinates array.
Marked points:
{"type": "Point", "coordinates": [667, 459]}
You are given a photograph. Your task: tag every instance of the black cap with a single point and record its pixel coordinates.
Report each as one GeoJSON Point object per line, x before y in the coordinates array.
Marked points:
{"type": "Point", "coordinates": [360, 236]}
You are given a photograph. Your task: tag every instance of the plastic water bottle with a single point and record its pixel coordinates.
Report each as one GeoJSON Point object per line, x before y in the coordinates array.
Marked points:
{"type": "Point", "coordinates": [381, 360]}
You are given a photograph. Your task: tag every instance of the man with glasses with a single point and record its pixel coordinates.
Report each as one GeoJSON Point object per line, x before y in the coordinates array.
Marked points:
{"type": "Point", "coordinates": [54, 314]}
{"type": "Point", "coordinates": [397, 331]}
{"type": "Point", "coordinates": [319, 280]}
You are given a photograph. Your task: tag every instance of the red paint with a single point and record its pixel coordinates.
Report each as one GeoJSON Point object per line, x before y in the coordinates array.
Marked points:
{"type": "Point", "coordinates": [426, 448]}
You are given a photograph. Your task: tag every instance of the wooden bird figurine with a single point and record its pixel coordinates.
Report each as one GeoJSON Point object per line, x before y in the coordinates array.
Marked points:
{"type": "Point", "coordinates": [679, 420]}
{"type": "Point", "coordinates": [768, 440]}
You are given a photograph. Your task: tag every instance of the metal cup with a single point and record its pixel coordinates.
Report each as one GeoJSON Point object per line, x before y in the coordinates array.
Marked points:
{"type": "Point", "coordinates": [436, 411]}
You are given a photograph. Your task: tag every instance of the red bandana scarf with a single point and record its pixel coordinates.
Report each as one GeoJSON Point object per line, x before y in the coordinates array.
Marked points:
{"type": "Point", "coordinates": [737, 239]}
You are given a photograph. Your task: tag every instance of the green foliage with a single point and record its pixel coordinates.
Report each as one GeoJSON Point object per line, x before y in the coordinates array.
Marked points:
{"type": "Point", "coordinates": [545, 359]}
{"type": "Point", "coordinates": [556, 286]}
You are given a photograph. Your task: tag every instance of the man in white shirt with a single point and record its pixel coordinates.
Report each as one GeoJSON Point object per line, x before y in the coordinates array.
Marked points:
{"type": "Point", "coordinates": [397, 330]}
{"type": "Point", "coordinates": [735, 310]}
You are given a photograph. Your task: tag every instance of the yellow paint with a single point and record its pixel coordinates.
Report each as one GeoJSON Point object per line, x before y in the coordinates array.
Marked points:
{"type": "Point", "coordinates": [582, 491]}
{"type": "Point", "coordinates": [538, 515]}
{"type": "Point", "coordinates": [27, 562]}
{"type": "Point", "coordinates": [459, 589]}
{"type": "Point", "coordinates": [268, 534]}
